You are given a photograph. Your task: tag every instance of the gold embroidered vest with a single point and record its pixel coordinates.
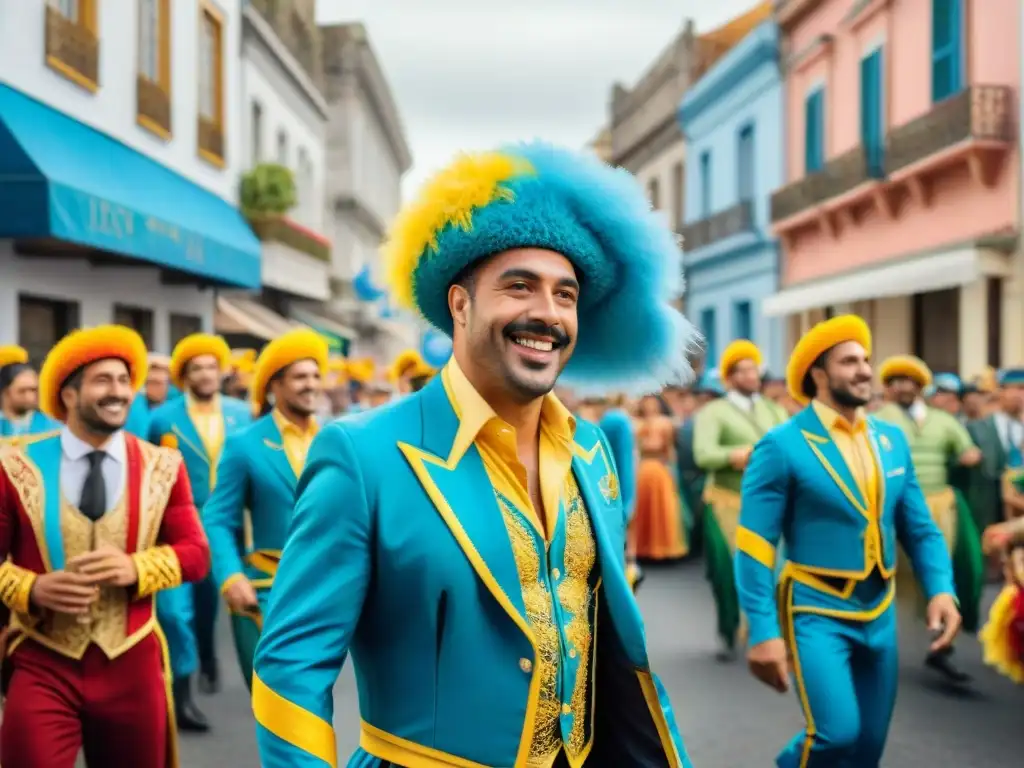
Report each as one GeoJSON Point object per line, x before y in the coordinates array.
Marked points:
{"type": "Point", "coordinates": [559, 593]}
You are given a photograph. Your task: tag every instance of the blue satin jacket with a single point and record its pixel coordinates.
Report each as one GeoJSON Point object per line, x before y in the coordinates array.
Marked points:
{"type": "Point", "coordinates": [39, 424]}
{"type": "Point", "coordinates": [253, 474]}
{"type": "Point", "coordinates": [797, 487]}
{"type": "Point", "coordinates": [402, 559]}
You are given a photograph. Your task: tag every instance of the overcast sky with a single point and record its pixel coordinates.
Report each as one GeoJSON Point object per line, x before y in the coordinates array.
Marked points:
{"type": "Point", "coordinates": [473, 74]}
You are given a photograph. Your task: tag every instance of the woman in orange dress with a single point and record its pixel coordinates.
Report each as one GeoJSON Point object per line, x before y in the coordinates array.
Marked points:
{"type": "Point", "coordinates": [657, 531]}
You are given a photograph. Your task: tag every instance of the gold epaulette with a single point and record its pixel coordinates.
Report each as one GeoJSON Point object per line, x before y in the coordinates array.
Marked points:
{"type": "Point", "coordinates": [20, 441]}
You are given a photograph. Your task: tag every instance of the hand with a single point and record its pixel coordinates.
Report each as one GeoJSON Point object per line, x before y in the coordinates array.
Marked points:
{"type": "Point", "coordinates": [106, 565]}
{"type": "Point", "coordinates": [769, 662]}
{"type": "Point", "coordinates": [997, 538]}
{"type": "Point", "coordinates": [944, 620]}
{"type": "Point", "coordinates": [64, 592]}
{"type": "Point", "coordinates": [971, 457]}
{"type": "Point", "coordinates": [739, 457]}
{"type": "Point", "coordinates": [241, 596]}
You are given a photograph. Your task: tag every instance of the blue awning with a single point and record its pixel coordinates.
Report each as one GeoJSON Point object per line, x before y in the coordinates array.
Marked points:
{"type": "Point", "coordinates": [62, 179]}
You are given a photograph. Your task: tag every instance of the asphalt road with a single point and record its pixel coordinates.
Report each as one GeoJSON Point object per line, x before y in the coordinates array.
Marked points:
{"type": "Point", "coordinates": [727, 719]}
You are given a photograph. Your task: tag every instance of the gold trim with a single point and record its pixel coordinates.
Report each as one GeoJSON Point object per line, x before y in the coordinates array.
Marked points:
{"type": "Point", "coordinates": [72, 74]}
{"type": "Point", "coordinates": [16, 586]}
{"type": "Point", "coordinates": [399, 751]}
{"type": "Point", "coordinates": [293, 724]}
{"type": "Point", "coordinates": [153, 127]}
{"type": "Point", "coordinates": [158, 569]}
{"type": "Point", "coordinates": [212, 159]}
{"type": "Point", "coordinates": [27, 482]}
{"type": "Point", "coordinates": [650, 691]}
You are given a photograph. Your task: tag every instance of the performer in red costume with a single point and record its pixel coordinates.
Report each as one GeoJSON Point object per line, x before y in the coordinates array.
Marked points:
{"type": "Point", "coordinates": [93, 523]}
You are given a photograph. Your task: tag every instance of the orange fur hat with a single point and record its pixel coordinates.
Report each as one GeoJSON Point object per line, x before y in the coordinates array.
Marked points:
{"type": "Point", "coordinates": [82, 347]}
{"type": "Point", "coordinates": [300, 344]}
{"type": "Point", "coordinates": [196, 345]}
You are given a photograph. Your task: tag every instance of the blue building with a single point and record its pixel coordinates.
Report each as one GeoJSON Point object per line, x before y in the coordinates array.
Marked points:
{"type": "Point", "coordinates": [732, 119]}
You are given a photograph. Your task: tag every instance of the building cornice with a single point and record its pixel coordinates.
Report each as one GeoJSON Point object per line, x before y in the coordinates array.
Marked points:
{"type": "Point", "coordinates": [255, 27]}
{"type": "Point", "coordinates": [789, 13]}
{"type": "Point", "coordinates": [650, 145]}
{"type": "Point", "coordinates": [759, 48]}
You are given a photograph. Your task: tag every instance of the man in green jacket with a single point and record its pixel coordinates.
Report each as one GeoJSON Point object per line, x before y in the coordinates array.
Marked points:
{"type": "Point", "coordinates": [724, 434]}
{"type": "Point", "coordinates": [937, 441]}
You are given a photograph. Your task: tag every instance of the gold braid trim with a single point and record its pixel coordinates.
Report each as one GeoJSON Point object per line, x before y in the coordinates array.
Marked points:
{"type": "Point", "coordinates": [158, 568]}
{"type": "Point", "coordinates": [16, 586]}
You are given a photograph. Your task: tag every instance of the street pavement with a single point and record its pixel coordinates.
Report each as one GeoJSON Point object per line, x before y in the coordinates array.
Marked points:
{"type": "Point", "coordinates": [727, 719]}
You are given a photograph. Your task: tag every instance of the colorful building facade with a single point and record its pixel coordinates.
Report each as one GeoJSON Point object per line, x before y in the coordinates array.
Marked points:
{"type": "Point", "coordinates": [732, 120]}
{"type": "Point", "coordinates": [902, 196]}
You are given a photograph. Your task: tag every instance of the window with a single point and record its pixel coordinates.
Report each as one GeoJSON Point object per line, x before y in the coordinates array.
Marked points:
{"type": "Point", "coordinates": [211, 85]}
{"type": "Point", "coordinates": [705, 184]}
{"type": "Point", "coordinates": [257, 133]}
{"type": "Point", "coordinates": [707, 327]}
{"type": "Point", "coordinates": [141, 320]}
{"type": "Point", "coordinates": [42, 323]}
{"type": "Point", "coordinates": [814, 131]}
{"type": "Point", "coordinates": [72, 41]}
{"type": "Point", "coordinates": [652, 193]}
{"type": "Point", "coordinates": [742, 323]}
{"type": "Point", "coordinates": [678, 186]}
{"type": "Point", "coordinates": [184, 325]}
{"type": "Point", "coordinates": [282, 148]}
{"type": "Point", "coordinates": [872, 125]}
{"type": "Point", "coordinates": [947, 48]}
{"type": "Point", "coordinates": [745, 164]}
{"type": "Point", "coordinates": [153, 86]}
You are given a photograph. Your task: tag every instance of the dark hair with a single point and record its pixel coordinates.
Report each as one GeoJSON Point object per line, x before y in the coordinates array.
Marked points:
{"type": "Point", "coordinates": [9, 373]}
{"type": "Point", "coordinates": [466, 279]}
{"type": "Point", "coordinates": [807, 386]}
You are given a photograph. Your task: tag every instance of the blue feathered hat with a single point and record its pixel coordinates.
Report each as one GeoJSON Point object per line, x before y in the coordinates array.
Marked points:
{"type": "Point", "coordinates": [536, 195]}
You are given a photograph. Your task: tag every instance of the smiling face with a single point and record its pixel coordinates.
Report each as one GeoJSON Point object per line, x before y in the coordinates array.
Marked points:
{"type": "Point", "coordinates": [98, 396]}
{"type": "Point", "coordinates": [845, 375]}
{"type": "Point", "coordinates": [515, 321]}
{"type": "Point", "coordinates": [297, 387]}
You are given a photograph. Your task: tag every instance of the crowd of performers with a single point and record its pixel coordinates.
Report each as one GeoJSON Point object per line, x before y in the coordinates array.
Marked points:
{"type": "Point", "coordinates": [319, 500]}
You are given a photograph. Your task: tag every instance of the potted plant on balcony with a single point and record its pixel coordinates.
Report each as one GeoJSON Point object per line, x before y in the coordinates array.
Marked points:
{"type": "Point", "coordinates": [267, 194]}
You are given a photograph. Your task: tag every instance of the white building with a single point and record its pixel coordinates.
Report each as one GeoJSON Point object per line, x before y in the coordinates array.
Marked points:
{"type": "Point", "coordinates": [120, 152]}
{"type": "Point", "coordinates": [284, 122]}
{"type": "Point", "coordinates": [367, 154]}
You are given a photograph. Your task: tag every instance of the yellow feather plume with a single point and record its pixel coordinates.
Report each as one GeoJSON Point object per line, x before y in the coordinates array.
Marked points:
{"type": "Point", "coordinates": [449, 198]}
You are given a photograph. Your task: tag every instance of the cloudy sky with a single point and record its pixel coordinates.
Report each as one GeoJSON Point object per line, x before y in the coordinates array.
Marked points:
{"type": "Point", "coordinates": [470, 74]}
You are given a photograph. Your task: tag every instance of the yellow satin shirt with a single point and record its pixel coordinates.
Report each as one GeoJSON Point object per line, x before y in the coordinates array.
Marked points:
{"type": "Point", "coordinates": [295, 439]}
{"type": "Point", "coordinates": [208, 419]}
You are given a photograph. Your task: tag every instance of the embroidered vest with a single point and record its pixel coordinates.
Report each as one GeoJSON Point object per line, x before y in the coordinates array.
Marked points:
{"type": "Point", "coordinates": [558, 584]}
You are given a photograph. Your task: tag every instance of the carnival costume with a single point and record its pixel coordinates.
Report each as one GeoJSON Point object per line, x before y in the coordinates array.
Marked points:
{"type": "Point", "coordinates": [255, 493]}
{"type": "Point", "coordinates": [722, 426]}
{"type": "Point", "coordinates": [937, 440]}
{"type": "Point", "coordinates": [14, 360]}
{"type": "Point", "coordinates": [98, 685]}
{"type": "Point", "coordinates": [1002, 637]}
{"type": "Point", "coordinates": [472, 645]}
{"type": "Point", "coordinates": [841, 495]}
{"type": "Point", "coordinates": [188, 615]}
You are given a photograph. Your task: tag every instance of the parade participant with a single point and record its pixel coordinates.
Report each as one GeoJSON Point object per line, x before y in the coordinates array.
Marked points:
{"type": "Point", "coordinates": [724, 435]}
{"type": "Point", "coordinates": [478, 510]}
{"type": "Point", "coordinates": [973, 403]}
{"type": "Point", "coordinates": [154, 394]}
{"type": "Point", "coordinates": [944, 393]}
{"type": "Point", "coordinates": [196, 424]}
{"type": "Point", "coordinates": [1000, 436]}
{"type": "Point", "coordinates": [257, 475]}
{"type": "Point", "coordinates": [93, 523]}
{"type": "Point", "coordinates": [691, 477]}
{"type": "Point", "coordinates": [236, 383]}
{"type": "Point", "coordinates": [658, 530]}
{"type": "Point", "coordinates": [404, 368]}
{"type": "Point", "coordinates": [937, 441]}
{"type": "Point", "coordinates": [1002, 637]}
{"type": "Point", "coordinates": [840, 488]}
{"type": "Point", "coordinates": [360, 373]}
{"type": "Point", "coordinates": [336, 395]}
{"type": "Point", "coordinates": [19, 398]}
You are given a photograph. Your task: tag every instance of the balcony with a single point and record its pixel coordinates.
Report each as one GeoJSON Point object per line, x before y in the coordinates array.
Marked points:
{"type": "Point", "coordinates": [975, 126]}
{"type": "Point", "coordinates": [840, 176]}
{"type": "Point", "coordinates": [153, 106]}
{"type": "Point", "coordinates": [211, 141]}
{"type": "Point", "coordinates": [72, 50]}
{"type": "Point", "coordinates": [732, 221]}
{"type": "Point", "coordinates": [280, 229]}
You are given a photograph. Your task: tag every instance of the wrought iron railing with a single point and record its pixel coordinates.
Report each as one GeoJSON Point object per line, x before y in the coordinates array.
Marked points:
{"type": "Point", "coordinates": [732, 221]}
{"type": "Point", "coordinates": [840, 174]}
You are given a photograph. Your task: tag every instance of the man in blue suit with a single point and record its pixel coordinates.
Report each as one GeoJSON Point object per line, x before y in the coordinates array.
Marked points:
{"type": "Point", "coordinates": [246, 518]}
{"type": "Point", "coordinates": [20, 416]}
{"type": "Point", "coordinates": [156, 392]}
{"type": "Point", "coordinates": [840, 488]}
{"type": "Point", "coordinates": [466, 543]}
{"type": "Point", "coordinates": [197, 425]}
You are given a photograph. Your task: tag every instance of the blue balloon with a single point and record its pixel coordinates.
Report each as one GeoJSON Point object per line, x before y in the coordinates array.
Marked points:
{"type": "Point", "coordinates": [436, 348]}
{"type": "Point", "coordinates": [364, 287]}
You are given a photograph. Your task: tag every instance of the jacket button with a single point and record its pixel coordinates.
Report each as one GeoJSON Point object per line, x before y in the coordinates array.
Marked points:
{"type": "Point", "coordinates": [566, 709]}
{"type": "Point", "coordinates": [556, 574]}
{"type": "Point", "coordinates": [526, 665]}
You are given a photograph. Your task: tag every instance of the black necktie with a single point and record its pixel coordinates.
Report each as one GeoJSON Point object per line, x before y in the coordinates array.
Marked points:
{"type": "Point", "coordinates": [94, 491]}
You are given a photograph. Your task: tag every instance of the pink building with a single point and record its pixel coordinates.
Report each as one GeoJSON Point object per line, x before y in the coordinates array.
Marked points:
{"type": "Point", "coordinates": [903, 200]}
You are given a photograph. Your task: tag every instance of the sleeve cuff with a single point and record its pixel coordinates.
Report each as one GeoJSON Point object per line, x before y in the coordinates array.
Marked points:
{"type": "Point", "coordinates": [762, 634]}
{"type": "Point", "coordinates": [158, 569]}
{"type": "Point", "coordinates": [232, 579]}
{"type": "Point", "coordinates": [16, 587]}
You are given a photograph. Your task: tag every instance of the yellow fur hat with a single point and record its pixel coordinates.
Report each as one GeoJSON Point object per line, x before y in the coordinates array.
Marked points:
{"type": "Point", "coordinates": [741, 349]}
{"type": "Point", "coordinates": [361, 370]}
{"type": "Point", "coordinates": [194, 346]}
{"type": "Point", "coordinates": [913, 368]}
{"type": "Point", "coordinates": [13, 354]}
{"type": "Point", "coordinates": [82, 347]}
{"type": "Point", "coordinates": [821, 338]}
{"type": "Point", "coordinates": [300, 344]}
{"type": "Point", "coordinates": [407, 362]}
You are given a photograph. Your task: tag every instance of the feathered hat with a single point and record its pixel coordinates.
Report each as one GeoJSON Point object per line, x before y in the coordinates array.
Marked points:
{"type": "Point", "coordinates": [83, 347]}
{"type": "Point", "coordinates": [535, 195]}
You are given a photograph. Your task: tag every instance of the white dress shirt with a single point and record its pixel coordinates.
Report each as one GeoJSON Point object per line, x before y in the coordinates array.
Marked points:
{"type": "Point", "coordinates": [74, 466]}
{"type": "Point", "coordinates": [741, 401]}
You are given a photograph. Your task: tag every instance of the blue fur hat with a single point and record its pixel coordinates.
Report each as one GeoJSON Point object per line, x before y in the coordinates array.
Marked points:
{"type": "Point", "coordinates": [1011, 376]}
{"type": "Point", "coordinates": [946, 382]}
{"type": "Point", "coordinates": [536, 195]}
{"type": "Point", "coordinates": [710, 383]}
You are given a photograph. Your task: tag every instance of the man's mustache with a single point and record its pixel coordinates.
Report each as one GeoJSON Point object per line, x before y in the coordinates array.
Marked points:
{"type": "Point", "coordinates": [107, 401]}
{"type": "Point", "coordinates": [559, 337]}
{"type": "Point", "coordinates": [308, 391]}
